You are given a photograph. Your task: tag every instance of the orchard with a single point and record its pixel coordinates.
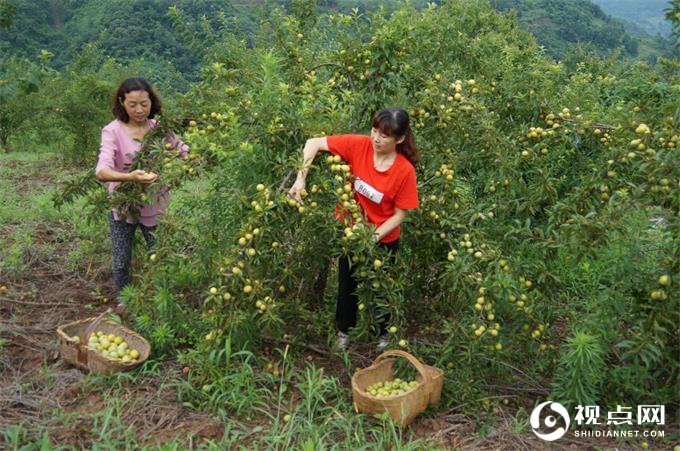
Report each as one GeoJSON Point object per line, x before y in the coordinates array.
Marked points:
{"type": "Point", "coordinates": [546, 246]}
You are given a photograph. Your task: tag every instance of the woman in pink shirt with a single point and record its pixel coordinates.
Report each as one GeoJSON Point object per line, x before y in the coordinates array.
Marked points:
{"type": "Point", "coordinates": [135, 105]}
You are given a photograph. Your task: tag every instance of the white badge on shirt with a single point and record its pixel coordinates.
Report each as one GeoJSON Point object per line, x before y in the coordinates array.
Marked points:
{"type": "Point", "coordinates": [368, 191]}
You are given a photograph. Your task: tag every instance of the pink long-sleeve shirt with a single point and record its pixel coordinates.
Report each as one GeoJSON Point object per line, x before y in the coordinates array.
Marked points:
{"type": "Point", "coordinates": [117, 150]}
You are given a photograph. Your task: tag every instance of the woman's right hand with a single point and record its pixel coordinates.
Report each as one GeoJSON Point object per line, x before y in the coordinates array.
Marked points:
{"type": "Point", "coordinates": [295, 191]}
{"type": "Point", "coordinates": [312, 147]}
{"type": "Point", "coordinates": [140, 176]}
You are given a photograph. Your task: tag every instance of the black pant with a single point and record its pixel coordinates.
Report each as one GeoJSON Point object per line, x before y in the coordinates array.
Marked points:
{"type": "Point", "coordinates": [122, 238]}
{"type": "Point", "coordinates": [347, 302]}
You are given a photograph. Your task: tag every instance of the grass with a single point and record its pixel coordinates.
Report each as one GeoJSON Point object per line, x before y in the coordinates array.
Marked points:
{"type": "Point", "coordinates": [299, 407]}
{"type": "Point", "coordinates": [27, 184]}
{"type": "Point", "coordinates": [306, 409]}
{"type": "Point", "coordinates": [21, 202]}
{"type": "Point", "coordinates": [15, 249]}
{"type": "Point", "coordinates": [16, 208]}
{"type": "Point", "coordinates": [24, 157]}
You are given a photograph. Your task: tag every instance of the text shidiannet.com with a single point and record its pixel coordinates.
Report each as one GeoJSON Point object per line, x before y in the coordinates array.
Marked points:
{"type": "Point", "coordinates": [619, 434]}
{"type": "Point", "coordinates": [646, 414]}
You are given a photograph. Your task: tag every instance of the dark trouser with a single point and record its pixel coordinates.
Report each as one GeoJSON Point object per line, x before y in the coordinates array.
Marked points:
{"type": "Point", "coordinates": [122, 238]}
{"type": "Point", "coordinates": [347, 302]}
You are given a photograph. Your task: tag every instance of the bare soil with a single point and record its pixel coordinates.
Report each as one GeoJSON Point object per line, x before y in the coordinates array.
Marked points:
{"type": "Point", "coordinates": [38, 390]}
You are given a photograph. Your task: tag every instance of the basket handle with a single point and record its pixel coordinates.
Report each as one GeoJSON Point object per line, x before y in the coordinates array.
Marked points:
{"type": "Point", "coordinates": [81, 356]}
{"type": "Point", "coordinates": [427, 380]}
{"type": "Point", "coordinates": [93, 325]}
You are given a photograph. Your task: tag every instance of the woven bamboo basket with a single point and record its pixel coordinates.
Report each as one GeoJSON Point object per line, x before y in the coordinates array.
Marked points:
{"type": "Point", "coordinates": [79, 354]}
{"type": "Point", "coordinates": [401, 408]}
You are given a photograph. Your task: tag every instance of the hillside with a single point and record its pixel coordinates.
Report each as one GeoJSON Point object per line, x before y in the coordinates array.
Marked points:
{"type": "Point", "coordinates": [647, 15]}
{"type": "Point", "coordinates": [558, 25]}
{"type": "Point", "coordinates": [63, 27]}
{"type": "Point", "coordinates": [123, 30]}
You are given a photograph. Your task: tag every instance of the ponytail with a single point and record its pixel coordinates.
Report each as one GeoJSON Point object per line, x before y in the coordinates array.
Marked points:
{"type": "Point", "coordinates": [408, 147]}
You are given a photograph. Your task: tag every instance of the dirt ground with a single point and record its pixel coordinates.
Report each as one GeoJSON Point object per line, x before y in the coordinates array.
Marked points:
{"type": "Point", "coordinates": [40, 391]}
{"type": "Point", "coordinates": [35, 382]}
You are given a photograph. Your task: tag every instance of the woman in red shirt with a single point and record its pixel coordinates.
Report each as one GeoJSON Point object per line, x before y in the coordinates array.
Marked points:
{"type": "Point", "coordinates": [383, 165]}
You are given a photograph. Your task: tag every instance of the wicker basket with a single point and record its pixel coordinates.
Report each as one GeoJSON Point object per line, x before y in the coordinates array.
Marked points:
{"type": "Point", "coordinates": [79, 354]}
{"type": "Point", "coordinates": [401, 408]}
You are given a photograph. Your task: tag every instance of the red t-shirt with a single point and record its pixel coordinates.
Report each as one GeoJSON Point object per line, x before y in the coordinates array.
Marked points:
{"type": "Point", "coordinates": [377, 192]}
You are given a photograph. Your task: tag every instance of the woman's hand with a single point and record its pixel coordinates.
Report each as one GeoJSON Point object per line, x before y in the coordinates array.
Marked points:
{"type": "Point", "coordinates": [391, 224]}
{"type": "Point", "coordinates": [312, 147]}
{"type": "Point", "coordinates": [140, 176]}
{"type": "Point", "coordinates": [295, 191]}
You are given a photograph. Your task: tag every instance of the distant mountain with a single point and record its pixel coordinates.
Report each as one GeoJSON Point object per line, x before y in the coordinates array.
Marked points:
{"type": "Point", "coordinates": [648, 15]}
{"type": "Point", "coordinates": [559, 24]}
{"type": "Point", "coordinates": [141, 29]}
